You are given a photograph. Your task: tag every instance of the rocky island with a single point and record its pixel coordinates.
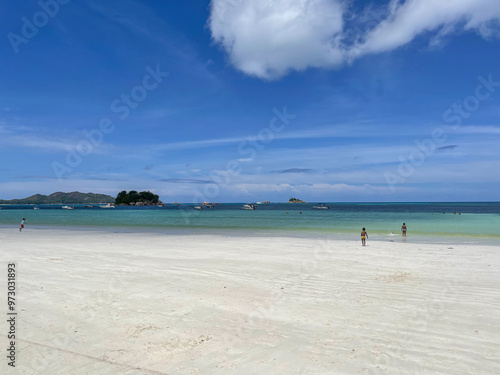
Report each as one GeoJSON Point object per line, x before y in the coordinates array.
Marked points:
{"type": "Point", "coordinates": [295, 200]}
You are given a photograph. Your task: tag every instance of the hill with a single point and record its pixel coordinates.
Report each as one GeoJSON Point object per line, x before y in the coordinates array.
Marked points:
{"type": "Point", "coordinates": [63, 198]}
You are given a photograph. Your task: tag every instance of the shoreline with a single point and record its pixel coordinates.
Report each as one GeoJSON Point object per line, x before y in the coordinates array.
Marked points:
{"type": "Point", "coordinates": [465, 239]}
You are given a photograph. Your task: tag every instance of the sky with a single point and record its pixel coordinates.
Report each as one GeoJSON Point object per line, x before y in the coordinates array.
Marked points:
{"type": "Point", "coordinates": [244, 101]}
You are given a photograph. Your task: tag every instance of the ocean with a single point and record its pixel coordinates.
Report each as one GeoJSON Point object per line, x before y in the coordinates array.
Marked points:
{"type": "Point", "coordinates": [427, 222]}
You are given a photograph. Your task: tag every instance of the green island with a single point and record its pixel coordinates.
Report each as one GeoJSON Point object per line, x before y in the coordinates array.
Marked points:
{"type": "Point", "coordinates": [134, 198]}
{"type": "Point", "coordinates": [63, 198]}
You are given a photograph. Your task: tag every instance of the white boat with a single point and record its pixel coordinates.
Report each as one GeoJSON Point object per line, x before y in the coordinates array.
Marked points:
{"type": "Point", "coordinates": [321, 207]}
{"type": "Point", "coordinates": [207, 205]}
{"type": "Point", "coordinates": [36, 208]}
{"type": "Point", "coordinates": [198, 208]}
{"type": "Point", "coordinates": [109, 205]}
{"type": "Point", "coordinates": [68, 207]}
{"type": "Point", "coordinates": [249, 207]}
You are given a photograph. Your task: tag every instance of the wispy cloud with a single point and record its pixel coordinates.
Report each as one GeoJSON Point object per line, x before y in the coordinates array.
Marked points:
{"type": "Point", "coordinates": [407, 20]}
{"type": "Point", "coordinates": [492, 130]}
{"type": "Point", "coordinates": [444, 148]}
{"type": "Point", "coordinates": [33, 177]}
{"type": "Point", "coordinates": [310, 133]}
{"type": "Point", "coordinates": [23, 137]}
{"type": "Point", "coordinates": [197, 144]}
{"type": "Point", "coordinates": [36, 142]}
{"type": "Point", "coordinates": [185, 181]}
{"type": "Point", "coordinates": [295, 170]}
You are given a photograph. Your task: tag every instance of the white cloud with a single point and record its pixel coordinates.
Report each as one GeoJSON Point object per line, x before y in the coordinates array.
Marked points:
{"type": "Point", "coordinates": [270, 38]}
{"type": "Point", "coordinates": [267, 39]}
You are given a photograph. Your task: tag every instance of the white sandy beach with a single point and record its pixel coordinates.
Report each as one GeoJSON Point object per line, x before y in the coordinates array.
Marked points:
{"type": "Point", "coordinates": [139, 303]}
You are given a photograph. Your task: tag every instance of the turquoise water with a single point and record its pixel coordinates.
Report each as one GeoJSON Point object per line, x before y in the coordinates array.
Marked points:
{"type": "Point", "coordinates": [478, 222]}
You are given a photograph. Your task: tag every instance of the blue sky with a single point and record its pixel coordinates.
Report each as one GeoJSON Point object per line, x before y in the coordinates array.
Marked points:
{"type": "Point", "coordinates": [237, 100]}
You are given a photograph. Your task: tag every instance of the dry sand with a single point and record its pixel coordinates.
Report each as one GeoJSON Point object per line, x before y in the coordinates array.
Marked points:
{"type": "Point", "coordinates": [139, 303]}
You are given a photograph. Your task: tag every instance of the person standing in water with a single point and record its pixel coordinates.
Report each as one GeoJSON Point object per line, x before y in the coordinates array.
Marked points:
{"type": "Point", "coordinates": [364, 236]}
{"type": "Point", "coordinates": [403, 230]}
{"type": "Point", "coordinates": [22, 224]}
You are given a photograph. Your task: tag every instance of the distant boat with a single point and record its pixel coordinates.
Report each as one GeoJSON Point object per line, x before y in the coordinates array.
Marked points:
{"type": "Point", "coordinates": [321, 207]}
{"type": "Point", "coordinates": [36, 208]}
{"type": "Point", "coordinates": [249, 207]}
{"type": "Point", "coordinates": [68, 207]}
{"type": "Point", "coordinates": [207, 205]}
{"type": "Point", "coordinates": [109, 205]}
{"type": "Point", "coordinates": [198, 208]}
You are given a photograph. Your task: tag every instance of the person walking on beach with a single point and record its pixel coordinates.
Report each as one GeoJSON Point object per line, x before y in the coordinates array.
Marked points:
{"type": "Point", "coordinates": [403, 230]}
{"type": "Point", "coordinates": [22, 224]}
{"type": "Point", "coordinates": [364, 236]}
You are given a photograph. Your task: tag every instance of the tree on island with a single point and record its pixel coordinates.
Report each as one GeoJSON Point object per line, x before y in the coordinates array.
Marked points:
{"type": "Point", "coordinates": [145, 197]}
{"type": "Point", "coordinates": [295, 200]}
